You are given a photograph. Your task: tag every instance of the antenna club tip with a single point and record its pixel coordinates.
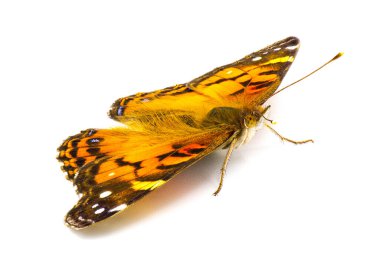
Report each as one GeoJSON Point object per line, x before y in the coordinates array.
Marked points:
{"type": "Point", "coordinates": [340, 54]}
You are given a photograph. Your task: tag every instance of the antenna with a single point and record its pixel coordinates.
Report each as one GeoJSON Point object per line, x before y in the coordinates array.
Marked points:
{"type": "Point", "coordinates": [319, 68]}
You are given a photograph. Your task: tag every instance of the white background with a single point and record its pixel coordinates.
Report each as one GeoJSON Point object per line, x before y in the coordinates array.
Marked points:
{"type": "Point", "coordinates": [63, 63]}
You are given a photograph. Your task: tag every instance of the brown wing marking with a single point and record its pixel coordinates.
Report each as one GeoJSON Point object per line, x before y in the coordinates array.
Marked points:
{"type": "Point", "coordinates": [87, 146]}
{"type": "Point", "coordinates": [252, 79]}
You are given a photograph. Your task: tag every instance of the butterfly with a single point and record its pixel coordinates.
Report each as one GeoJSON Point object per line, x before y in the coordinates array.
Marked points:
{"type": "Point", "coordinates": [167, 130]}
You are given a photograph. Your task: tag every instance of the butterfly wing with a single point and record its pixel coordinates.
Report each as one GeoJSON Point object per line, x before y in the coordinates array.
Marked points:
{"type": "Point", "coordinates": [252, 79]}
{"type": "Point", "coordinates": [245, 83]}
{"type": "Point", "coordinates": [167, 130]}
{"type": "Point", "coordinates": [114, 175]}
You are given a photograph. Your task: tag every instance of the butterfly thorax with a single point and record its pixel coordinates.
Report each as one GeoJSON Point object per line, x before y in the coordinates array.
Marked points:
{"type": "Point", "coordinates": [244, 122]}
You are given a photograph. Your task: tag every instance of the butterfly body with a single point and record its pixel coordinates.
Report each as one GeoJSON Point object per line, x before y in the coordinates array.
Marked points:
{"type": "Point", "coordinates": [167, 130]}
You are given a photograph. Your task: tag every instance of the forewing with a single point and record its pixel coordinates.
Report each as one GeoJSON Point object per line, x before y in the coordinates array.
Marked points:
{"type": "Point", "coordinates": [247, 82]}
{"type": "Point", "coordinates": [124, 175]}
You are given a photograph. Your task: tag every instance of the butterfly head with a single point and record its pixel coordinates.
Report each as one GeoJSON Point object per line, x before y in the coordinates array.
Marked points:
{"type": "Point", "coordinates": [254, 118]}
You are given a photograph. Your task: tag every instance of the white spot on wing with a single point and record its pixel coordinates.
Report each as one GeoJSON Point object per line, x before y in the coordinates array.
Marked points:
{"type": "Point", "coordinates": [100, 210]}
{"type": "Point", "coordinates": [118, 208]}
{"type": "Point", "coordinates": [80, 218]}
{"type": "Point", "coordinates": [105, 194]}
{"type": "Point", "coordinates": [257, 58]}
{"type": "Point", "coordinates": [292, 47]}
{"type": "Point", "coordinates": [95, 205]}
{"type": "Point", "coordinates": [276, 49]}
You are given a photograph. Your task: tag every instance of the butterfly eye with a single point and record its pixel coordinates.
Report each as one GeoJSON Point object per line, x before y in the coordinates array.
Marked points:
{"type": "Point", "coordinates": [251, 119]}
{"type": "Point", "coordinates": [256, 115]}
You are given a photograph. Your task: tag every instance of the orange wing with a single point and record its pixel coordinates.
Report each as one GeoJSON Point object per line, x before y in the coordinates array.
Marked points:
{"type": "Point", "coordinates": [244, 84]}
{"type": "Point", "coordinates": [112, 169]}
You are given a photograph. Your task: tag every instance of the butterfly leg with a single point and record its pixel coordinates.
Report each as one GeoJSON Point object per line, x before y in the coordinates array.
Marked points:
{"type": "Point", "coordinates": [287, 139]}
{"type": "Point", "coordinates": [224, 167]}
